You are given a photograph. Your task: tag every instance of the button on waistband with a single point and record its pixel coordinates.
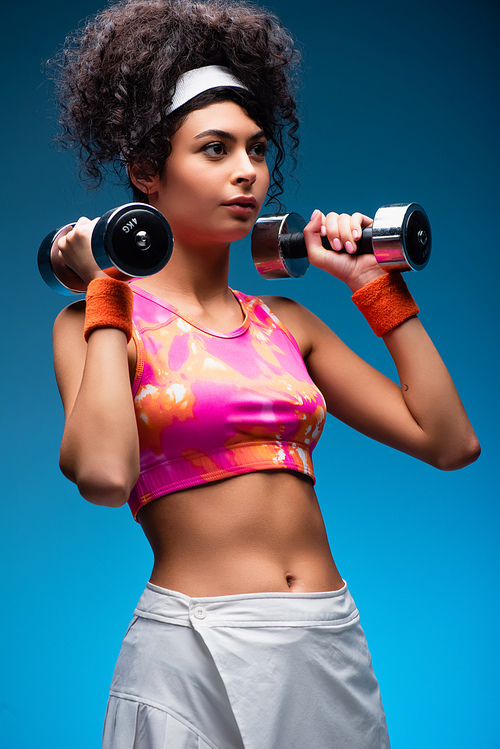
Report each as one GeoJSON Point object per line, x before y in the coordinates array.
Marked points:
{"type": "Point", "coordinates": [199, 612]}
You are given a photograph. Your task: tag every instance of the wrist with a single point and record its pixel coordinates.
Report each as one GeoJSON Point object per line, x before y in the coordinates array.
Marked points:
{"type": "Point", "coordinates": [95, 275]}
{"type": "Point", "coordinates": [385, 302]}
{"type": "Point", "coordinates": [109, 304]}
{"type": "Point", "coordinates": [364, 278]}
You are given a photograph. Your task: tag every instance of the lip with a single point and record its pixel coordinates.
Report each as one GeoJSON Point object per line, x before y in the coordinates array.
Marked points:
{"type": "Point", "coordinates": [243, 201]}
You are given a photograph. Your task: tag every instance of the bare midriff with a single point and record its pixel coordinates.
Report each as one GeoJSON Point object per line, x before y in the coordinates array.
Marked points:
{"type": "Point", "coordinates": [258, 532]}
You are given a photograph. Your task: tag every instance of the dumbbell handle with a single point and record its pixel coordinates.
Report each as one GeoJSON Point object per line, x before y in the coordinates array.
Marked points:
{"type": "Point", "coordinates": [298, 248]}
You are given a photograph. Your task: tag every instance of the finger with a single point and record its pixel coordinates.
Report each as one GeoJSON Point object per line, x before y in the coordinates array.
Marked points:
{"type": "Point", "coordinates": [313, 233]}
{"type": "Point", "coordinates": [345, 232]}
{"type": "Point", "coordinates": [315, 228]}
{"type": "Point", "coordinates": [358, 222]}
{"type": "Point", "coordinates": [332, 230]}
{"type": "Point", "coordinates": [82, 231]}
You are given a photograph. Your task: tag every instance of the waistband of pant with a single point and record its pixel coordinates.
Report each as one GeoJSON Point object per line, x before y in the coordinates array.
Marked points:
{"type": "Point", "coordinates": [330, 608]}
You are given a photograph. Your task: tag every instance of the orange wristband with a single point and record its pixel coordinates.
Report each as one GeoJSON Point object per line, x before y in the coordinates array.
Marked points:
{"type": "Point", "coordinates": [385, 303]}
{"type": "Point", "coordinates": [109, 305]}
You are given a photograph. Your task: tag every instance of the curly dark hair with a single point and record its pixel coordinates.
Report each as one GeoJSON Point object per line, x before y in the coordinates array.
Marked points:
{"type": "Point", "coordinates": [115, 78]}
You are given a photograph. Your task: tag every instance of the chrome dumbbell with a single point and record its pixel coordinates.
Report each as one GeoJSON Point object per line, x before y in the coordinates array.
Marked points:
{"type": "Point", "coordinates": [400, 239]}
{"type": "Point", "coordinates": [131, 241]}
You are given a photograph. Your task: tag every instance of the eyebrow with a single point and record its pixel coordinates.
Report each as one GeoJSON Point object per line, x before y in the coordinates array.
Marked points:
{"type": "Point", "coordinates": [228, 136]}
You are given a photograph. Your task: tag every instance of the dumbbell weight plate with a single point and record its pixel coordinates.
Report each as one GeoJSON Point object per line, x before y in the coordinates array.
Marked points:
{"type": "Point", "coordinates": [401, 237]}
{"type": "Point", "coordinates": [134, 239]}
{"type": "Point", "coordinates": [278, 247]}
{"type": "Point", "coordinates": [53, 270]}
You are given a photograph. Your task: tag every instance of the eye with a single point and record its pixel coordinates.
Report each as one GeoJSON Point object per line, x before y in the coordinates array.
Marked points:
{"type": "Point", "coordinates": [215, 149]}
{"type": "Point", "coordinates": [259, 149]}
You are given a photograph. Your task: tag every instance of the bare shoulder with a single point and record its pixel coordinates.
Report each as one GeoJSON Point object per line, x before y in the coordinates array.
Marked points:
{"type": "Point", "coordinates": [68, 341]}
{"type": "Point", "coordinates": [306, 327]}
{"type": "Point", "coordinates": [69, 350]}
{"type": "Point", "coordinates": [67, 334]}
{"type": "Point", "coordinates": [287, 309]}
{"type": "Point", "coordinates": [70, 319]}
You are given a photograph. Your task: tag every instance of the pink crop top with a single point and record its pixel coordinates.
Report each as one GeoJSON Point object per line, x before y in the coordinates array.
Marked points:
{"type": "Point", "coordinates": [214, 405]}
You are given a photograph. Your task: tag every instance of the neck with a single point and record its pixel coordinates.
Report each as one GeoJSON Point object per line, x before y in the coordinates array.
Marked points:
{"type": "Point", "coordinates": [194, 275]}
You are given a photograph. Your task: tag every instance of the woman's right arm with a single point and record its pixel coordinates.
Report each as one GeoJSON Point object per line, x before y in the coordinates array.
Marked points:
{"type": "Point", "coordinates": [100, 445]}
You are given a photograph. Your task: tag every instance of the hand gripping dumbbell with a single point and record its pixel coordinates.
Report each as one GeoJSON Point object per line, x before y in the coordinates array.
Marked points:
{"type": "Point", "coordinates": [131, 241]}
{"type": "Point", "coordinates": [400, 239]}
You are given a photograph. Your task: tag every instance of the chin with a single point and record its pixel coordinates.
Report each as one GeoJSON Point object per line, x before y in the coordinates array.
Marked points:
{"type": "Point", "coordinates": [242, 233]}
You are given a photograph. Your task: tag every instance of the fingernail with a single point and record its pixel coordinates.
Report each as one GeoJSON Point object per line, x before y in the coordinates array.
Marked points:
{"type": "Point", "coordinates": [337, 244]}
{"type": "Point", "coordinates": [322, 231]}
{"type": "Point", "coordinates": [349, 247]}
{"type": "Point", "coordinates": [314, 214]}
{"type": "Point", "coordinates": [355, 234]}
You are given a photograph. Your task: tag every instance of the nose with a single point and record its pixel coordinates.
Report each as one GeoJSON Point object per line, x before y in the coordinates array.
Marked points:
{"type": "Point", "coordinates": [244, 169]}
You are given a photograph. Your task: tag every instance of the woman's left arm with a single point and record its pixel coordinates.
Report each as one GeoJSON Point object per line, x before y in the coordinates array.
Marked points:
{"type": "Point", "coordinates": [424, 416]}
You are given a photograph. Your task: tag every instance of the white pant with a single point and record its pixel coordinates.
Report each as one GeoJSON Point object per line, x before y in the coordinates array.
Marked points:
{"type": "Point", "coordinates": [256, 671]}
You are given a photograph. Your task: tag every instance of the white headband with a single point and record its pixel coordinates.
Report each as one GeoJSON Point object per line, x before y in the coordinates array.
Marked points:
{"type": "Point", "coordinates": [196, 81]}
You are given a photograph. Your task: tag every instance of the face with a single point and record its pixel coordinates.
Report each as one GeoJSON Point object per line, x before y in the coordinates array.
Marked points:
{"type": "Point", "coordinates": [216, 178]}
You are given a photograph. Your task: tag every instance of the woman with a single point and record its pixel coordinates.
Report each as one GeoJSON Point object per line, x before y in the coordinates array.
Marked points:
{"type": "Point", "coordinates": [200, 406]}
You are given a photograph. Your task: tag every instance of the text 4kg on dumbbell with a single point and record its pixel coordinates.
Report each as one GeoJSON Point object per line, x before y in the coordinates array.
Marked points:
{"type": "Point", "coordinates": [131, 241]}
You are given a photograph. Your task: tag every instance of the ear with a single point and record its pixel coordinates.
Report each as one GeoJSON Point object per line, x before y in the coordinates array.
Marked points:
{"type": "Point", "coordinates": [145, 183]}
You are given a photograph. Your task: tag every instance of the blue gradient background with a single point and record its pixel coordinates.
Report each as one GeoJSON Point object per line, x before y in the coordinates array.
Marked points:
{"type": "Point", "coordinates": [399, 103]}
